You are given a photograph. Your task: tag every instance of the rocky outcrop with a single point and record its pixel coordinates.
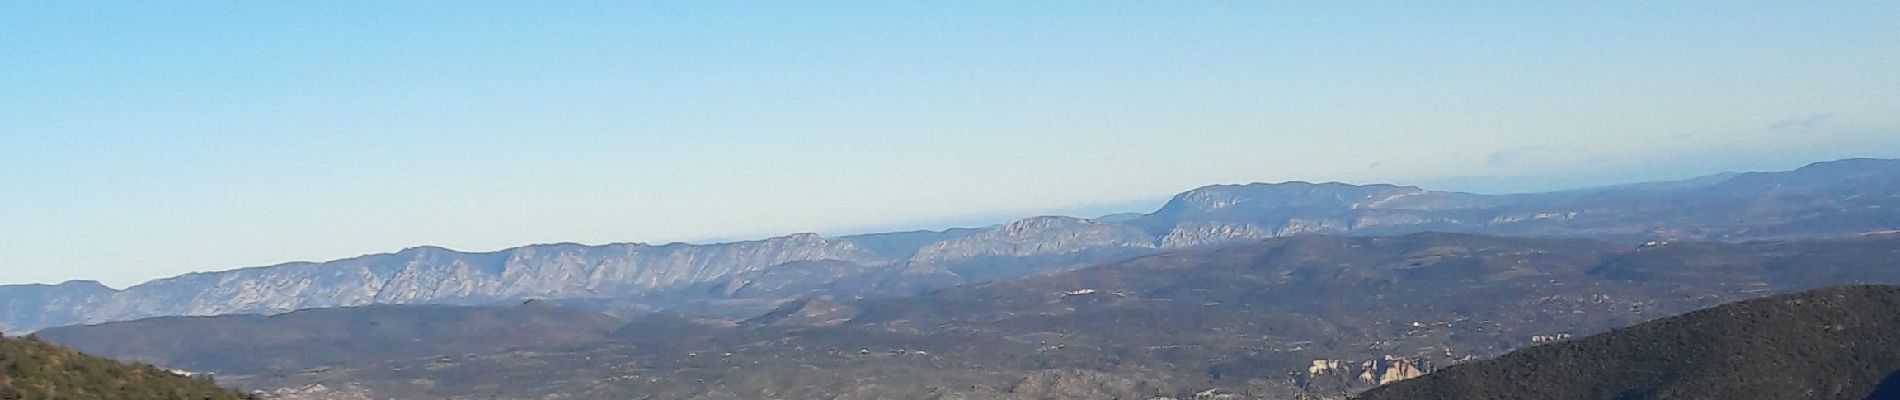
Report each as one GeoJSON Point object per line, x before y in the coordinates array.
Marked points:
{"type": "Point", "coordinates": [1327, 367]}
{"type": "Point", "coordinates": [1392, 369]}
{"type": "Point", "coordinates": [1198, 233]}
{"type": "Point", "coordinates": [1350, 375]}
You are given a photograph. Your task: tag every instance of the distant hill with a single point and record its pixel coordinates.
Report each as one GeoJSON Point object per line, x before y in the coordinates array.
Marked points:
{"type": "Point", "coordinates": [1835, 343]}
{"type": "Point", "coordinates": [315, 338]}
{"type": "Point", "coordinates": [1829, 199]}
{"type": "Point", "coordinates": [33, 369]}
{"type": "Point", "coordinates": [1251, 319]}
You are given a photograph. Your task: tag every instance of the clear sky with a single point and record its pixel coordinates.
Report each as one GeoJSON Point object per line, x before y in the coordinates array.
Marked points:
{"type": "Point", "coordinates": [145, 139]}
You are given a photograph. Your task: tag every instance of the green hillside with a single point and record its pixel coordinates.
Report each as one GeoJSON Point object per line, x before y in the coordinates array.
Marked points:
{"type": "Point", "coordinates": [32, 369]}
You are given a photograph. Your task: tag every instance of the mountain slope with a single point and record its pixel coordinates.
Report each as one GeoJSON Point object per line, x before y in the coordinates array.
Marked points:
{"type": "Point", "coordinates": [1832, 199]}
{"type": "Point", "coordinates": [1249, 319]}
{"type": "Point", "coordinates": [33, 369]}
{"type": "Point", "coordinates": [1835, 343]}
{"type": "Point", "coordinates": [314, 338]}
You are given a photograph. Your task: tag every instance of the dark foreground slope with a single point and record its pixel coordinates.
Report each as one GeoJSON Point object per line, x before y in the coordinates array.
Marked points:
{"type": "Point", "coordinates": [1835, 343]}
{"type": "Point", "coordinates": [32, 369]}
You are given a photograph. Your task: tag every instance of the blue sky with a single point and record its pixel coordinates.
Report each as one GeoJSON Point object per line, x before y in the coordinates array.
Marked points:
{"type": "Point", "coordinates": [140, 140]}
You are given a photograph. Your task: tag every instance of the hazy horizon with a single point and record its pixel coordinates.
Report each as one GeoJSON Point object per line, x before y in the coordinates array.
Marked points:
{"type": "Point", "coordinates": [941, 223]}
{"type": "Point", "coordinates": [148, 140]}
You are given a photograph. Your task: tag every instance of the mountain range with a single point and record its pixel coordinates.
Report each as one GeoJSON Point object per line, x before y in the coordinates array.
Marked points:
{"type": "Point", "coordinates": [1830, 199]}
{"type": "Point", "coordinates": [1311, 315]}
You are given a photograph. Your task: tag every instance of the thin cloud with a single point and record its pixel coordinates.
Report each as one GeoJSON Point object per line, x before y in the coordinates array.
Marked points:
{"type": "Point", "coordinates": [1516, 155]}
{"type": "Point", "coordinates": [1802, 124]}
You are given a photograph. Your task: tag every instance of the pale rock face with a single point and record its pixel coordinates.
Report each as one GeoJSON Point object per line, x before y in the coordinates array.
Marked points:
{"type": "Point", "coordinates": [1323, 367]}
{"type": "Point", "coordinates": [1392, 369]}
{"type": "Point", "coordinates": [1546, 339]}
{"type": "Point", "coordinates": [1198, 233]}
{"type": "Point", "coordinates": [1300, 226]}
{"type": "Point", "coordinates": [1534, 216]}
{"type": "Point", "coordinates": [1372, 220]}
{"type": "Point", "coordinates": [1215, 394]}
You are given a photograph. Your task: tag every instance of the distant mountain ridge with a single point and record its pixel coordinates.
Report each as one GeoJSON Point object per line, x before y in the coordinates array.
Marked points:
{"type": "Point", "coordinates": [1312, 314]}
{"type": "Point", "coordinates": [1829, 199]}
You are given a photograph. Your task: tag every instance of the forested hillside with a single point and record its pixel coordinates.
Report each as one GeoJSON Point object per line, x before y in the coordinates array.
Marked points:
{"type": "Point", "coordinates": [33, 369]}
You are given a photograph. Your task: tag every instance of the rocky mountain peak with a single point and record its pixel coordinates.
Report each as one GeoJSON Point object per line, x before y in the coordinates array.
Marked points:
{"type": "Point", "coordinates": [82, 284]}
{"type": "Point", "coordinates": [1295, 194]}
